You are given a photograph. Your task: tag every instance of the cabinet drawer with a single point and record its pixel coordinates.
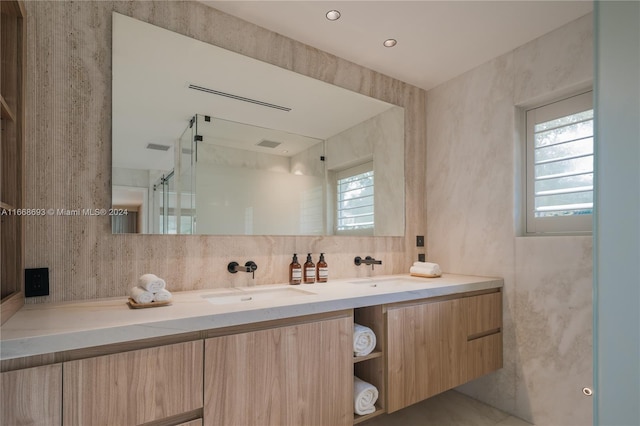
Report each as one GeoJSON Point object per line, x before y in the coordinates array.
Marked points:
{"type": "Point", "coordinates": [484, 314]}
{"type": "Point", "coordinates": [134, 387]}
{"type": "Point", "coordinates": [484, 355]}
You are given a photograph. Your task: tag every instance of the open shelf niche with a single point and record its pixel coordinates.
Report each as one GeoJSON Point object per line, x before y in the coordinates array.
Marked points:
{"type": "Point", "coordinates": [370, 368]}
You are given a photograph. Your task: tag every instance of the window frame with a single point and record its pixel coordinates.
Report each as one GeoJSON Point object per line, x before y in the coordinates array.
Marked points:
{"type": "Point", "coordinates": [555, 225]}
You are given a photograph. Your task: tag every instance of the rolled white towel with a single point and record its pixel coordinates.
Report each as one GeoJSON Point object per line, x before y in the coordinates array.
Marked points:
{"type": "Point", "coordinates": [364, 340]}
{"type": "Point", "coordinates": [151, 282]}
{"type": "Point", "coordinates": [140, 295]}
{"type": "Point", "coordinates": [162, 296]}
{"type": "Point", "coordinates": [425, 268]}
{"type": "Point", "coordinates": [365, 396]}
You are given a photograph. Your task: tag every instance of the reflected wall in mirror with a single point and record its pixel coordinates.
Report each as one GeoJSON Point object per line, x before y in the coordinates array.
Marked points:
{"type": "Point", "coordinates": [207, 141]}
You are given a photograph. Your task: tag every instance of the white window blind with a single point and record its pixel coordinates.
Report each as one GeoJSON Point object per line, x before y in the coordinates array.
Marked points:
{"type": "Point", "coordinates": [355, 192]}
{"type": "Point", "coordinates": [560, 166]}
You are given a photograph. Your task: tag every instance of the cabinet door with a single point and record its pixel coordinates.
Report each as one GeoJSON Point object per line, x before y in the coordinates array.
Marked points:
{"type": "Point", "coordinates": [134, 387]}
{"type": "Point", "coordinates": [32, 396]}
{"type": "Point", "coordinates": [294, 375]}
{"type": "Point", "coordinates": [425, 351]}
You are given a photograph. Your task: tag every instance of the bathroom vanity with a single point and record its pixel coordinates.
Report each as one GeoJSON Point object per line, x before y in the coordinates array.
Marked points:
{"type": "Point", "coordinates": [251, 356]}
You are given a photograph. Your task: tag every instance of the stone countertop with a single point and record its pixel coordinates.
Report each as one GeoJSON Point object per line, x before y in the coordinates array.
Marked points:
{"type": "Point", "coordinates": [46, 328]}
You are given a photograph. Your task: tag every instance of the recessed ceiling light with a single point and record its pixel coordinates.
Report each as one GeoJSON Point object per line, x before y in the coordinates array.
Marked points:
{"type": "Point", "coordinates": [333, 15]}
{"type": "Point", "coordinates": [390, 42]}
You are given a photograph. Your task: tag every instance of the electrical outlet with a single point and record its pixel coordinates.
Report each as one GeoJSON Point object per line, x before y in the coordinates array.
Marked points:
{"type": "Point", "coordinates": [421, 257]}
{"type": "Point", "coordinates": [36, 282]}
{"type": "Point", "coordinates": [419, 240]}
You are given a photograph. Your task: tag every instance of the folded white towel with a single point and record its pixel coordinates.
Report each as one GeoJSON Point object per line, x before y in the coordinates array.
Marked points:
{"type": "Point", "coordinates": [425, 268]}
{"type": "Point", "coordinates": [162, 296]}
{"type": "Point", "coordinates": [364, 340]}
{"type": "Point", "coordinates": [151, 282]}
{"type": "Point", "coordinates": [365, 396]}
{"type": "Point", "coordinates": [140, 295]}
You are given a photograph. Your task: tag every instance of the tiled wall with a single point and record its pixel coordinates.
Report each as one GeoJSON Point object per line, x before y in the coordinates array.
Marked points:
{"type": "Point", "coordinates": [68, 149]}
{"type": "Point", "coordinates": [473, 164]}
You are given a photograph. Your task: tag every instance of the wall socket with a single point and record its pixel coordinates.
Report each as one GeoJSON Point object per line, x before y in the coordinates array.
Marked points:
{"type": "Point", "coordinates": [419, 240]}
{"type": "Point", "coordinates": [36, 282]}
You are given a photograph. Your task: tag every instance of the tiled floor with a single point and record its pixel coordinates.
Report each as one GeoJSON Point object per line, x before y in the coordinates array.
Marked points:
{"type": "Point", "coordinates": [447, 409]}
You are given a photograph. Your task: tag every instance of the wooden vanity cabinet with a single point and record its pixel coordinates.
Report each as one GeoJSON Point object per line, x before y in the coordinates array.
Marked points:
{"type": "Point", "coordinates": [136, 387]}
{"type": "Point", "coordinates": [293, 375]}
{"type": "Point", "coordinates": [294, 371]}
{"type": "Point", "coordinates": [32, 396]}
{"type": "Point", "coordinates": [434, 345]}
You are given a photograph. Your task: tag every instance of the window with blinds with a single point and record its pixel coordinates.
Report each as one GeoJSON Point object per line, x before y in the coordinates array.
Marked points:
{"type": "Point", "coordinates": [355, 194]}
{"type": "Point", "coordinates": [560, 166]}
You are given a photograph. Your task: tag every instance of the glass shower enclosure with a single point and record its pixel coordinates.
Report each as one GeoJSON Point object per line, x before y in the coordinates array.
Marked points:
{"type": "Point", "coordinates": [173, 197]}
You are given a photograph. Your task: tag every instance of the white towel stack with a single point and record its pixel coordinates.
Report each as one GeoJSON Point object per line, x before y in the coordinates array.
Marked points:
{"type": "Point", "coordinates": [151, 283]}
{"type": "Point", "coordinates": [365, 396]}
{"type": "Point", "coordinates": [140, 295]}
{"type": "Point", "coordinates": [425, 269]}
{"type": "Point", "coordinates": [150, 288]}
{"type": "Point", "coordinates": [364, 340]}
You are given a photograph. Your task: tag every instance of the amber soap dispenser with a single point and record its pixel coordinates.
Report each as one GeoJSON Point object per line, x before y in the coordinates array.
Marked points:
{"type": "Point", "coordinates": [295, 271]}
{"type": "Point", "coordinates": [309, 271]}
{"type": "Point", "coordinates": [322, 270]}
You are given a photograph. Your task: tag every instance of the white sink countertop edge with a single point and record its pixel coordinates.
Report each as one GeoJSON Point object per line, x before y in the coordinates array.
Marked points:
{"type": "Point", "coordinates": [46, 328]}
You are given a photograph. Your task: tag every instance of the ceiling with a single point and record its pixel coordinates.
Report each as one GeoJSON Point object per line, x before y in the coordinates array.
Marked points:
{"type": "Point", "coordinates": [437, 40]}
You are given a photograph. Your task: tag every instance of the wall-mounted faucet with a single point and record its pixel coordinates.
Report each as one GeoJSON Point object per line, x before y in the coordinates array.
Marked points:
{"type": "Point", "coordinates": [367, 261]}
{"type": "Point", "coordinates": [250, 266]}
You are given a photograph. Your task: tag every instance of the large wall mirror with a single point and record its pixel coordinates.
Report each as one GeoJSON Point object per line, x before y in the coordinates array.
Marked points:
{"type": "Point", "coordinates": [207, 141]}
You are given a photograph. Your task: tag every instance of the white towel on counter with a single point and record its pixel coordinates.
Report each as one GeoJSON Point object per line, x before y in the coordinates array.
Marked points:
{"type": "Point", "coordinates": [140, 295]}
{"type": "Point", "coordinates": [425, 268]}
{"type": "Point", "coordinates": [162, 296]}
{"type": "Point", "coordinates": [151, 283]}
{"type": "Point", "coordinates": [365, 396]}
{"type": "Point", "coordinates": [364, 340]}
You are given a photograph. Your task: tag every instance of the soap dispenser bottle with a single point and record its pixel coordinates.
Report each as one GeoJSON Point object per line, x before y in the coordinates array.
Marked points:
{"type": "Point", "coordinates": [322, 270]}
{"type": "Point", "coordinates": [295, 271]}
{"type": "Point", "coordinates": [309, 271]}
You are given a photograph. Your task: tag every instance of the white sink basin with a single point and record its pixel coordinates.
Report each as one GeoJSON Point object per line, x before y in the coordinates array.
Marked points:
{"type": "Point", "coordinates": [246, 296]}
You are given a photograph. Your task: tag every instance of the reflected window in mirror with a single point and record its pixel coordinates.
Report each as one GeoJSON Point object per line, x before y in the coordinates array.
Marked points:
{"type": "Point", "coordinates": [355, 200]}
